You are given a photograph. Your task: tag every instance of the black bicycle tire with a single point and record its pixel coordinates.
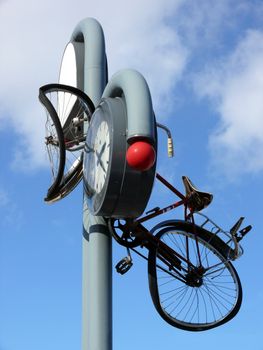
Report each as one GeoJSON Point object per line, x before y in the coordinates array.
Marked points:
{"type": "Point", "coordinates": [219, 246]}
{"type": "Point", "coordinates": [53, 114]}
{"type": "Point", "coordinates": [68, 186]}
{"type": "Point", "coordinates": [65, 185]}
{"type": "Point", "coordinates": [62, 87]}
{"type": "Point", "coordinates": [89, 103]}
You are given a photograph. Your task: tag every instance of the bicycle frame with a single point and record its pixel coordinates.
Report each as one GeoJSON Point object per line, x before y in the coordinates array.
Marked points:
{"type": "Point", "coordinates": [177, 204]}
{"type": "Point", "coordinates": [158, 212]}
{"type": "Point", "coordinates": [172, 259]}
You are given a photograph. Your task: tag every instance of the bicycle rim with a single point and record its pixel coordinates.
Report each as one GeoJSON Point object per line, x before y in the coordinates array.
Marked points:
{"type": "Point", "coordinates": [69, 182]}
{"type": "Point", "coordinates": [55, 146]}
{"type": "Point", "coordinates": [195, 304]}
{"type": "Point", "coordinates": [72, 109]}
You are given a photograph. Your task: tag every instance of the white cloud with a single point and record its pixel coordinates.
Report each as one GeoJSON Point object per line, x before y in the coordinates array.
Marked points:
{"type": "Point", "coordinates": [158, 38]}
{"type": "Point", "coordinates": [201, 21]}
{"type": "Point", "coordinates": [146, 43]}
{"type": "Point", "coordinates": [235, 87]}
{"type": "Point", "coordinates": [33, 35]}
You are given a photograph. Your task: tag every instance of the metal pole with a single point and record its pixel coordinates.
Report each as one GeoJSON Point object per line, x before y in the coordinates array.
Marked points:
{"type": "Point", "coordinates": [97, 284]}
{"type": "Point", "coordinates": [97, 249]}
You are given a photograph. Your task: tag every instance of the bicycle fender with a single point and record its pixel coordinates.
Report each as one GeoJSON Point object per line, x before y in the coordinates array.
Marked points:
{"type": "Point", "coordinates": [166, 223]}
{"type": "Point", "coordinates": [220, 245]}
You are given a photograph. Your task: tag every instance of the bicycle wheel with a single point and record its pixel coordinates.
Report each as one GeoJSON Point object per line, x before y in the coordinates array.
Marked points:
{"type": "Point", "coordinates": [69, 182]}
{"type": "Point", "coordinates": [72, 108]}
{"type": "Point", "coordinates": [197, 298]}
{"type": "Point", "coordinates": [55, 145]}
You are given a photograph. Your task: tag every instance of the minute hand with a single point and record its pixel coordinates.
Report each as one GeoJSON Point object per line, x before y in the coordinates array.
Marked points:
{"type": "Point", "coordinates": [99, 161]}
{"type": "Point", "coordinates": [102, 150]}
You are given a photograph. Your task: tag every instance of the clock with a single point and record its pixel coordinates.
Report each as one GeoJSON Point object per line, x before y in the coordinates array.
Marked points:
{"type": "Point", "coordinates": [113, 188]}
{"type": "Point", "coordinates": [98, 153]}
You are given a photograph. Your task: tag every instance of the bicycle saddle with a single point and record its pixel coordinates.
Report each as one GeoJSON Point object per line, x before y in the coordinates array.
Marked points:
{"type": "Point", "coordinates": [196, 200]}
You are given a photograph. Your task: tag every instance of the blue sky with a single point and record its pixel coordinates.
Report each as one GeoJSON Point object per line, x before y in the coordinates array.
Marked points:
{"type": "Point", "coordinates": [203, 61]}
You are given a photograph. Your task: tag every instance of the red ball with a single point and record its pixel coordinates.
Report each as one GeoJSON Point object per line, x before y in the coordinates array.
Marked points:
{"type": "Point", "coordinates": [141, 155]}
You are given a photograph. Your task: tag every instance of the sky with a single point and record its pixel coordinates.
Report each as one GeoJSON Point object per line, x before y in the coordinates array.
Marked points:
{"type": "Point", "coordinates": [203, 61]}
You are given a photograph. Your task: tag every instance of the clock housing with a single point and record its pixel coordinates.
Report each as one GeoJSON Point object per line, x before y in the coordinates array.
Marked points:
{"type": "Point", "coordinates": [113, 188]}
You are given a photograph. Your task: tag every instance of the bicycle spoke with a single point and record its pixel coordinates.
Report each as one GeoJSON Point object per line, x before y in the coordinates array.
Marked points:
{"type": "Point", "coordinates": [67, 108]}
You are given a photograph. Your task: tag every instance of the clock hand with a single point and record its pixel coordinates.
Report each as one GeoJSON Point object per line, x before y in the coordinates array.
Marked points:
{"type": "Point", "coordinates": [99, 161]}
{"type": "Point", "coordinates": [99, 154]}
{"type": "Point", "coordinates": [103, 168]}
{"type": "Point", "coordinates": [102, 149]}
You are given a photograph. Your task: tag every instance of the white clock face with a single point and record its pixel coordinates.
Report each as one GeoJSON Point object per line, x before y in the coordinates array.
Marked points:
{"type": "Point", "coordinates": [97, 154]}
{"type": "Point", "coordinates": [102, 154]}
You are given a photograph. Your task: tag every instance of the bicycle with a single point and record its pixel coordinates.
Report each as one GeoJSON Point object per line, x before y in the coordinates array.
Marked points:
{"type": "Point", "coordinates": [194, 258]}
{"type": "Point", "coordinates": [192, 281]}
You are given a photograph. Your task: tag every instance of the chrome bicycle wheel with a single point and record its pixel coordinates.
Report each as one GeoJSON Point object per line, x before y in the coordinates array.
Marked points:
{"type": "Point", "coordinates": [195, 297]}
{"type": "Point", "coordinates": [55, 145]}
{"type": "Point", "coordinates": [72, 109]}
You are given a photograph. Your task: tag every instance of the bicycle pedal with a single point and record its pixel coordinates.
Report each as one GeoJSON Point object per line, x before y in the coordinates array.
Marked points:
{"type": "Point", "coordinates": [124, 265]}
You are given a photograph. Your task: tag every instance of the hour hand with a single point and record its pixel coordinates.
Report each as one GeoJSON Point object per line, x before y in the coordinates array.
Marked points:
{"type": "Point", "coordinates": [101, 151]}
{"type": "Point", "coordinates": [99, 161]}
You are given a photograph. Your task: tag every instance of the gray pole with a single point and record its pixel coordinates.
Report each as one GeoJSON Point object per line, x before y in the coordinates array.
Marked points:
{"type": "Point", "coordinates": [97, 250]}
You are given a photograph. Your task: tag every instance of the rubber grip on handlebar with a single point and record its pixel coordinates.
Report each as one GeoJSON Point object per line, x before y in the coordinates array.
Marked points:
{"type": "Point", "coordinates": [170, 147]}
